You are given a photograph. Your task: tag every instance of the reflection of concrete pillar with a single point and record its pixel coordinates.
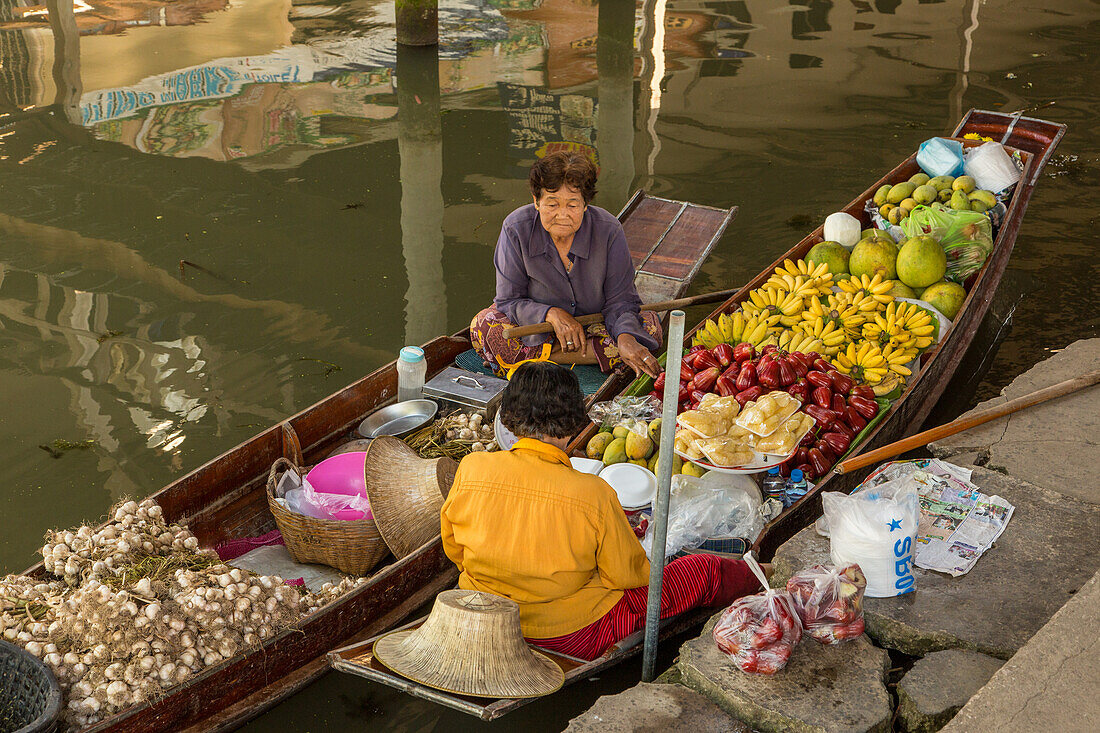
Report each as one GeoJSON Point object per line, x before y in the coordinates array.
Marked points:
{"type": "Point", "coordinates": [417, 22]}
{"type": "Point", "coordinates": [420, 143]}
{"type": "Point", "coordinates": [615, 125]}
{"type": "Point", "coordinates": [66, 58]}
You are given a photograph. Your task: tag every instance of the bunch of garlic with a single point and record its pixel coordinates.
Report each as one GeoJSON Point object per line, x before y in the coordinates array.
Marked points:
{"type": "Point", "coordinates": [470, 429]}
{"type": "Point", "coordinates": [312, 601]}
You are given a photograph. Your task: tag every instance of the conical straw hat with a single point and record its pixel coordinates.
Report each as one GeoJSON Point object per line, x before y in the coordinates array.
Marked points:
{"type": "Point", "coordinates": [406, 493]}
{"type": "Point", "coordinates": [471, 644]}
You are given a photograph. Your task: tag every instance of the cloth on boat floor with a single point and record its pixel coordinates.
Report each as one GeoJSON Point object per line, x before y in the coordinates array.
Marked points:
{"type": "Point", "coordinates": [232, 549]}
{"type": "Point", "coordinates": [588, 375]}
{"type": "Point", "coordinates": [695, 581]}
{"type": "Point", "coordinates": [276, 560]}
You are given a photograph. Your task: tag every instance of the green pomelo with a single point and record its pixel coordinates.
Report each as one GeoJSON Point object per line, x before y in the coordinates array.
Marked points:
{"type": "Point", "coordinates": [946, 297]}
{"type": "Point", "coordinates": [921, 262]}
{"type": "Point", "coordinates": [874, 255]}
{"type": "Point", "coordinates": [833, 254]}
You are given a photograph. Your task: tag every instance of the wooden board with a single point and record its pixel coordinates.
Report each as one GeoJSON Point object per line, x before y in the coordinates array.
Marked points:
{"type": "Point", "coordinates": [358, 659]}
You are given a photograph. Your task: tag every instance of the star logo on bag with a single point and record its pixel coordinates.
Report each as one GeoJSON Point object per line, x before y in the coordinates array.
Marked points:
{"type": "Point", "coordinates": [895, 524]}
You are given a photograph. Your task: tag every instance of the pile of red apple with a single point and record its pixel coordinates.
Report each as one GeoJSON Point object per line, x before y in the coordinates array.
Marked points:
{"type": "Point", "coordinates": [759, 631]}
{"type": "Point", "coordinates": [839, 406]}
{"type": "Point", "coordinates": [829, 601]}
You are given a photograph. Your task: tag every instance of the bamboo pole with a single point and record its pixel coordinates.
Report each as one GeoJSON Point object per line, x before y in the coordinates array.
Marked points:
{"type": "Point", "coordinates": [660, 506]}
{"type": "Point", "coordinates": [702, 298]}
{"type": "Point", "coordinates": [965, 423]}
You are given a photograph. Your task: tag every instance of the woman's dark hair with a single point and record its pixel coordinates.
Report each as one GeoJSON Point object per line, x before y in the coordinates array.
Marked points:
{"type": "Point", "coordinates": [565, 167]}
{"type": "Point", "coordinates": [543, 398]}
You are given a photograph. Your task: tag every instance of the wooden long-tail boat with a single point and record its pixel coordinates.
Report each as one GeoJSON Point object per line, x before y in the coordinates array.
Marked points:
{"type": "Point", "coordinates": [1036, 141]}
{"type": "Point", "coordinates": [226, 499]}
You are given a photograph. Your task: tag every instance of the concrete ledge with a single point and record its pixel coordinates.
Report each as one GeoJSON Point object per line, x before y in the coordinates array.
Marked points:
{"type": "Point", "coordinates": [1053, 445]}
{"type": "Point", "coordinates": [655, 708]}
{"type": "Point", "coordinates": [1052, 683]}
{"type": "Point", "coordinates": [937, 686]}
{"type": "Point", "coordinates": [835, 689]}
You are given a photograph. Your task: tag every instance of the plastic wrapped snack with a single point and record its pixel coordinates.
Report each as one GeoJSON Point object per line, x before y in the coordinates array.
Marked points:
{"type": "Point", "coordinates": [705, 424]}
{"type": "Point", "coordinates": [737, 432]}
{"type": "Point", "coordinates": [759, 631]}
{"type": "Point", "coordinates": [727, 407]}
{"type": "Point", "coordinates": [726, 452]}
{"type": "Point", "coordinates": [783, 441]}
{"type": "Point", "coordinates": [829, 601]}
{"type": "Point", "coordinates": [687, 446]}
{"type": "Point", "coordinates": [765, 415]}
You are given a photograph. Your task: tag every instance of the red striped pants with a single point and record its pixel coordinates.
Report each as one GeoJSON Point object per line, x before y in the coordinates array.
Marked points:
{"type": "Point", "coordinates": [694, 581]}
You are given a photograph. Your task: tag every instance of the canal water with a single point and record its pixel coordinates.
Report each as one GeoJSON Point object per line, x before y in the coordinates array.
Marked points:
{"type": "Point", "coordinates": [214, 213]}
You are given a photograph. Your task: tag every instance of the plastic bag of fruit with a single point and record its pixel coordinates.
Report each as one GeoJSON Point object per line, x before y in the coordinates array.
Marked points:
{"type": "Point", "coordinates": [966, 237]}
{"type": "Point", "coordinates": [633, 413]}
{"type": "Point", "coordinates": [759, 631]}
{"type": "Point", "coordinates": [829, 601]}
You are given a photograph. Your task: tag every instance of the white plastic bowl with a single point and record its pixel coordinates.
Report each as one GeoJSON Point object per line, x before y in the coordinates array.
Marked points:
{"type": "Point", "coordinates": [635, 486]}
{"type": "Point", "coordinates": [504, 437]}
{"type": "Point", "coordinates": [587, 465]}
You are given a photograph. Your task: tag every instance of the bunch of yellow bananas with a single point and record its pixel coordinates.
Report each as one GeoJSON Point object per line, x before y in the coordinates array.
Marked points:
{"type": "Point", "coordinates": [872, 287]}
{"type": "Point", "coordinates": [826, 330]}
{"type": "Point", "coordinates": [795, 340]}
{"type": "Point", "coordinates": [838, 310]}
{"type": "Point", "coordinates": [802, 279]}
{"type": "Point", "coordinates": [863, 361]}
{"type": "Point", "coordinates": [897, 357]}
{"type": "Point", "coordinates": [733, 329]}
{"type": "Point", "coordinates": [769, 301]}
{"type": "Point", "coordinates": [918, 322]}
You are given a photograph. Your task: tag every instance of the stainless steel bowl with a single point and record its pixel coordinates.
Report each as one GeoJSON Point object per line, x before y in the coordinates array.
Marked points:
{"type": "Point", "coordinates": [399, 420]}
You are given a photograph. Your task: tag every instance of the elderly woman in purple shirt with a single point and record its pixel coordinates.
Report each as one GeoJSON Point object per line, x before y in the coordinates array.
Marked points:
{"type": "Point", "coordinates": [558, 258]}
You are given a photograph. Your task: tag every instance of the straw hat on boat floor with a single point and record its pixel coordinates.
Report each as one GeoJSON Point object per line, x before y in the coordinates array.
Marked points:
{"type": "Point", "coordinates": [471, 644]}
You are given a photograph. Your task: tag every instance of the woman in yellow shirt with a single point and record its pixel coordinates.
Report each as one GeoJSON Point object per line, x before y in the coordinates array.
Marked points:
{"type": "Point", "coordinates": [525, 525]}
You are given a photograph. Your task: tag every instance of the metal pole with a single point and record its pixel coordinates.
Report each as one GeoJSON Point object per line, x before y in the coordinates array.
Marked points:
{"type": "Point", "coordinates": [673, 357]}
{"type": "Point", "coordinates": [417, 22]}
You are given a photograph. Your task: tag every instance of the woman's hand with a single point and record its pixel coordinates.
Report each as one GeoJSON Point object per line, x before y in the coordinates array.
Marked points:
{"type": "Point", "coordinates": [570, 334]}
{"type": "Point", "coordinates": [637, 357]}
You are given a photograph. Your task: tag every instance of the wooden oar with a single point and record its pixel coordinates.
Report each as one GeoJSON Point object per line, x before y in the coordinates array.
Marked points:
{"type": "Point", "coordinates": [965, 423]}
{"type": "Point", "coordinates": [546, 327]}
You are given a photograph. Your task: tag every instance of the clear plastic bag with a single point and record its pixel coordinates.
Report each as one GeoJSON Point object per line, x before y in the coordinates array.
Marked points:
{"type": "Point", "coordinates": [743, 518]}
{"type": "Point", "coordinates": [759, 632]}
{"type": "Point", "coordinates": [633, 413]}
{"type": "Point", "coordinates": [991, 167]}
{"type": "Point", "coordinates": [876, 529]}
{"type": "Point", "coordinates": [312, 503]}
{"type": "Point", "coordinates": [829, 601]}
{"type": "Point", "coordinates": [694, 512]}
{"type": "Point", "coordinates": [966, 236]}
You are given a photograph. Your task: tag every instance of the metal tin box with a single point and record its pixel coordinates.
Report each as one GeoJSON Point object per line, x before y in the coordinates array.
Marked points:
{"type": "Point", "coordinates": [458, 388]}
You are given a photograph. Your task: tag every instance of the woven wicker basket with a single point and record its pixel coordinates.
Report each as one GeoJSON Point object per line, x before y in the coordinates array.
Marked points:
{"type": "Point", "coordinates": [351, 546]}
{"type": "Point", "coordinates": [30, 699]}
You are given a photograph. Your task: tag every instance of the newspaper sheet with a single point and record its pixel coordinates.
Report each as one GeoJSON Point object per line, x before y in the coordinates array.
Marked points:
{"type": "Point", "coordinates": [957, 521]}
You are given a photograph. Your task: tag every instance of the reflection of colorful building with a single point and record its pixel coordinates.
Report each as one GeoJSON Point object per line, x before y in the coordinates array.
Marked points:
{"type": "Point", "coordinates": [96, 17]}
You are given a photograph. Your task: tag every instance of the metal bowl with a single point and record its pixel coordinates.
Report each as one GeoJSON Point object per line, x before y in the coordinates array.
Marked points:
{"type": "Point", "coordinates": [399, 420]}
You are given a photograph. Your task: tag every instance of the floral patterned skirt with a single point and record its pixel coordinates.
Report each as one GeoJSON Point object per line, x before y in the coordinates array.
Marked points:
{"type": "Point", "coordinates": [499, 353]}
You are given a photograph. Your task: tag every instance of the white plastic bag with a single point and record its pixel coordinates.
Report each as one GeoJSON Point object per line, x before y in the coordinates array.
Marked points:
{"type": "Point", "coordinates": [991, 167]}
{"type": "Point", "coordinates": [312, 503]}
{"type": "Point", "coordinates": [694, 512]}
{"type": "Point", "coordinates": [876, 529]}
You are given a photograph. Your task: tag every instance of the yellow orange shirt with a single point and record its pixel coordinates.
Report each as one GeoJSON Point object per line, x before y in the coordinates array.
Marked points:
{"type": "Point", "coordinates": [525, 525]}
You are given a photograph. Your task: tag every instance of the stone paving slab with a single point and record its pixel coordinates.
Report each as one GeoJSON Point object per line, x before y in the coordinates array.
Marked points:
{"type": "Point", "coordinates": [655, 708]}
{"type": "Point", "coordinates": [836, 689]}
{"type": "Point", "coordinates": [1053, 445]}
{"type": "Point", "coordinates": [1052, 683]}
{"type": "Point", "coordinates": [1047, 552]}
{"type": "Point", "coordinates": [939, 685]}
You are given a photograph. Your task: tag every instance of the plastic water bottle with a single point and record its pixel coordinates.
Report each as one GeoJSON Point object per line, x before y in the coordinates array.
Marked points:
{"type": "Point", "coordinates": [774, 486]}
{"type": "Point", "coordinates": [796, 486]}
{"type": "Point", "coordinates": [411, 370]}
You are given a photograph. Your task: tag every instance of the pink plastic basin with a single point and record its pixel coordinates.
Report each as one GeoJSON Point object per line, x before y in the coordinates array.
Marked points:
{"type": "Point", "coordinates": [341, 474]}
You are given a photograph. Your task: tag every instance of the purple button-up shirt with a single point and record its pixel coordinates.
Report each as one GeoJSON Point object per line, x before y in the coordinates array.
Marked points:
{"type": "Point", "coordinates": [531, 278]}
